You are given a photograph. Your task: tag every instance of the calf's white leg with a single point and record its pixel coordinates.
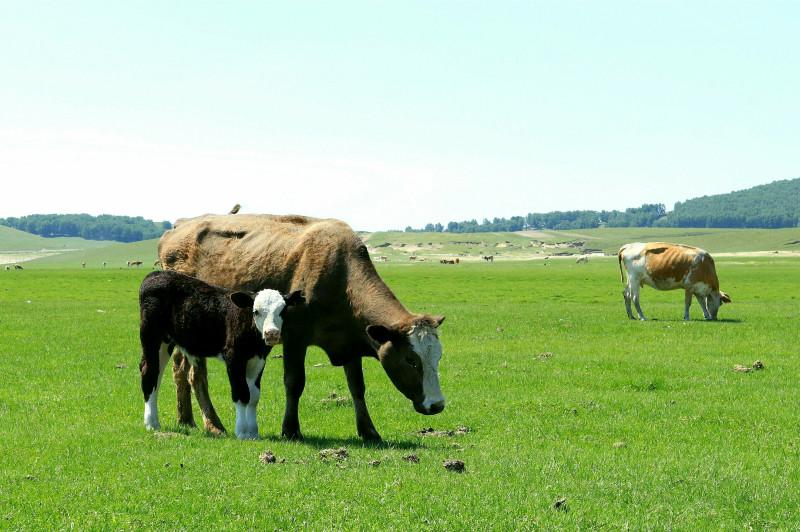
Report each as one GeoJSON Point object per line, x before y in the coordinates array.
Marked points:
{"type": "Point", "coordinates": [151, 404]}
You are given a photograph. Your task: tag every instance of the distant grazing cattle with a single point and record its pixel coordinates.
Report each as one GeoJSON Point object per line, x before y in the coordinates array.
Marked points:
{"type": "Point", "coordinates": [350, 312]}
{"type": "Point", "coordinates": [18, 267]}
{"type": "Point", "coordinates": [8, 268]}
{"type": "Point", "coordinates": [447, 261]}
{"type": "Point", "coordinates": [488, 258]}
{"type": "Point", "coordinates": [207, 321]}
{"type": "Point", "coordinates": [83, 264]}
{"type": "Point", "coordinates": [412, 257]}
{"type": "Point", "coordinates": [667, 267]}
{"type": "Point", "coordinates": [104, 264]}
{"type": "Point", "coordinates": [136, 263]}
{"type": "Point", "coordinates": [582, 260]}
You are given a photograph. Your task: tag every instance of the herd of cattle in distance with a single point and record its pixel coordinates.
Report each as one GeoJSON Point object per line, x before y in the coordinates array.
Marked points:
{"type": "Point", "coordinates": [234, 286]}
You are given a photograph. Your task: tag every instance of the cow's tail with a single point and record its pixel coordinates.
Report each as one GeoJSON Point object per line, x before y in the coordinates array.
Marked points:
{"type": "Point", "coordinates": [619, 256]}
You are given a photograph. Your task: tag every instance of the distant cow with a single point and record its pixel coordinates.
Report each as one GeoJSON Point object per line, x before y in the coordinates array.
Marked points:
{"type": "Point", "coordinates": [447, 261]}
{"type": "Point", "coordinates": [8, 268]}
{"type": "Point", "coordinates": [83, 264]}
{"type": "Point", "coordinates": [582, 260]}
{"type": "Point", "coordinates": [18, 267]}
{"type": "Point", "coordinates": [667, 267]}
{"type": "Point", "coordinates": [207, 321]}
{"type": "Point", "coordinates": [489, 258]}
{"type": "Point", "coordinates": [104, 264]}
{"type": "Point", "coordinates": [136, 263]}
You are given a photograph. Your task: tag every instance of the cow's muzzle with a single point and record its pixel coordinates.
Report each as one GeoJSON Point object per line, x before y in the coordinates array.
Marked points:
{"type": "Point", "coordinates": [429, 410]}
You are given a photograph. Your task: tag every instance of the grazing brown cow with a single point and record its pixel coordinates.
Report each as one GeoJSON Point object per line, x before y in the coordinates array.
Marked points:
{"type": "Point", "coordinates": [136, 263]}
{"type": "Point", "coordinates": [667, 267]}
{"type": "Point", "coordinates": [350, 313]}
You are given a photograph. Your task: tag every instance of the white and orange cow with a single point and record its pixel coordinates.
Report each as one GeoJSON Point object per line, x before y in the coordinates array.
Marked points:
{"type": "Point", "coordinates": [668, 267]}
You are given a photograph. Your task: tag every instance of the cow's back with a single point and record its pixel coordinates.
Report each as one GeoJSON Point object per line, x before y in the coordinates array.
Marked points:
{"type": "Point", "coordinates": [258, 251]}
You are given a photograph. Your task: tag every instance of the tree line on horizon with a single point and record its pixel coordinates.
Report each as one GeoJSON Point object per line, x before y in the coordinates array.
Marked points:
{"type": "Point", "coordinates": [770, 206]}
{"type": "Point", "coordinates": [103, 227]}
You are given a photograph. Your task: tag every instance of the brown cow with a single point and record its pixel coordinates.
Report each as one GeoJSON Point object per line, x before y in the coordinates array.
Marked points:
{"type": "Point", "coordinates": [669, 266]}
{"type": "Point", "coordinates": [350, 313]}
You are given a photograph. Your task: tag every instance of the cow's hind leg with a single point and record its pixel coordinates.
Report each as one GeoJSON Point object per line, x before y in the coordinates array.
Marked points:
{"type": "Point", "coordinates": [198, 379]}
{"type": "Point", "coordinates": [355, 381]}
{"type": "Point", "coordinates": [180, 374]}
{"type": "Point", "coordinates": [294, 381]}
{"type": "Point", "coordinates": [687, 302]}
{"type": "Point", "coordinates": [626, 294]}
{"type": "Point", "coordinates": [154, 359]}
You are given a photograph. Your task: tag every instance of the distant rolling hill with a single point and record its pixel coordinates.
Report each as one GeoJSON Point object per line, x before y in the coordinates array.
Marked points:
{"type": "Point", "coordinates": [399, 246]}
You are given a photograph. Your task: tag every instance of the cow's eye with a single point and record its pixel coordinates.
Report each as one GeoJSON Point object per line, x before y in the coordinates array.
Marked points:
{"type": "Point", "coordinates": [411, 362]}
{"type": "Point", "coordinates": [255, 313]}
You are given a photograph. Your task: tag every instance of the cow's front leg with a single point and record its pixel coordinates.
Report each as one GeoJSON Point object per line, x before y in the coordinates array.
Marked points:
{"type": "Point", "coordinates": [355, 381]}
{"type": "Point", "coordinates": [180, 374]}
{"type": "Point", "coordinates": [687, 302]}
{"type": "Point", "coordinates": [198, 378]}
{"type": "Point", "coordinates": [626, 294]}
{"type": "Point", "coordinates": [294, 382]}
{"type": "Point", "coordinates": [701, 300]}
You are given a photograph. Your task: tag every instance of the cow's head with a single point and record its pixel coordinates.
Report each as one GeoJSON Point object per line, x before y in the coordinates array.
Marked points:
{"type": "Point", "coordinates": [715, 300]}
{"type": "Point", "coordinates": [268, 310]}
{"type": "Point", "coordinates": [410, 355]}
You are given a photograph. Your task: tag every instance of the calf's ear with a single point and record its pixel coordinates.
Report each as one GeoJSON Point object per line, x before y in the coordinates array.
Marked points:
{"type": "Point", "coordinates": [242, 299]}
{"type": "Point", "coordinates": [379, 333]}
{"type": "Point", "coordinates": [437, 320]}
{"type": "Point", "coordinates": [295, 298]}
{"type": "Point", "coordinates": [725, 298]}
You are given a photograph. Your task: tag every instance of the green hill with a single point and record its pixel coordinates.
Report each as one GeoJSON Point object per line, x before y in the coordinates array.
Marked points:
{"type": "Point", "coordinates": [15, 240]}
{"type": "Point", "coordinates": [773, 205]}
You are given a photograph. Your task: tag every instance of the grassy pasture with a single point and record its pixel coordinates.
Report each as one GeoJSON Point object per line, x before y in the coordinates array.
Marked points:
{"type": "Point", "coordinates": [640, 425]}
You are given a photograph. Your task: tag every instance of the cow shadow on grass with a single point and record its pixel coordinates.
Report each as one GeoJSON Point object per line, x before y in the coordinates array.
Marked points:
{"type": "Point", "coordinates": [325, 442]}
{"type": "Point", "coordinates": [696, 320]}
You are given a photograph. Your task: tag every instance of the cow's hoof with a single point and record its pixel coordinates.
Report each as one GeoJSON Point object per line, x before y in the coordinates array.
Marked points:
{"type": "Point", "coordinates": [213, 429]}
{"type": "Point", "coordinates": [370, 436]}
{"type": "Point", "coordinates": [294, 435]}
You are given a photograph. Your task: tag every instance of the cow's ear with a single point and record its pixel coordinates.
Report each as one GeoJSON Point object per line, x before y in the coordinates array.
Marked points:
{"type": "Point", "coordinates": [379, 333]}
{"type": "Point", "coordinates": [437, 320]}
{"type": "Point", "coordinates": [242, 299]}
{"type": "Point", "coordinates": [295, 298]}
{"type": "Point", "coordinates": [725, 298]}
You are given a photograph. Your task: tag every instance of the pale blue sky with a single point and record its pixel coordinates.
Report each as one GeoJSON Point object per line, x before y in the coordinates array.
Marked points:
{"type": "Point", "coordinates": [387, 114]}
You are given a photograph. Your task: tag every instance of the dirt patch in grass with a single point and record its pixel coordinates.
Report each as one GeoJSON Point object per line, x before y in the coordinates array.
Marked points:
{"type": "Point", "coordinates": [458, 431]}
{"type": "Point", "coordinates": [334, 454]}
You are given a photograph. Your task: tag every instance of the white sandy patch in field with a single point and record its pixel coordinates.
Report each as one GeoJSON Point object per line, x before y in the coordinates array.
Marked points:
{"type": "Point", "coordinates": [758, 254]}
{"type": "Point", "coordinates": [14, 257]}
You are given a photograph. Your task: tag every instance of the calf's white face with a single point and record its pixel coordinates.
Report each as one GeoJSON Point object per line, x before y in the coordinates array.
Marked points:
{"type": "Point", "coordinates": [268, 308]}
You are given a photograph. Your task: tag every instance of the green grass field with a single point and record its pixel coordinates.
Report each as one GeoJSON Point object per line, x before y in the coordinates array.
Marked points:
{"type": "Point", "coordinates": [636, 424]}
